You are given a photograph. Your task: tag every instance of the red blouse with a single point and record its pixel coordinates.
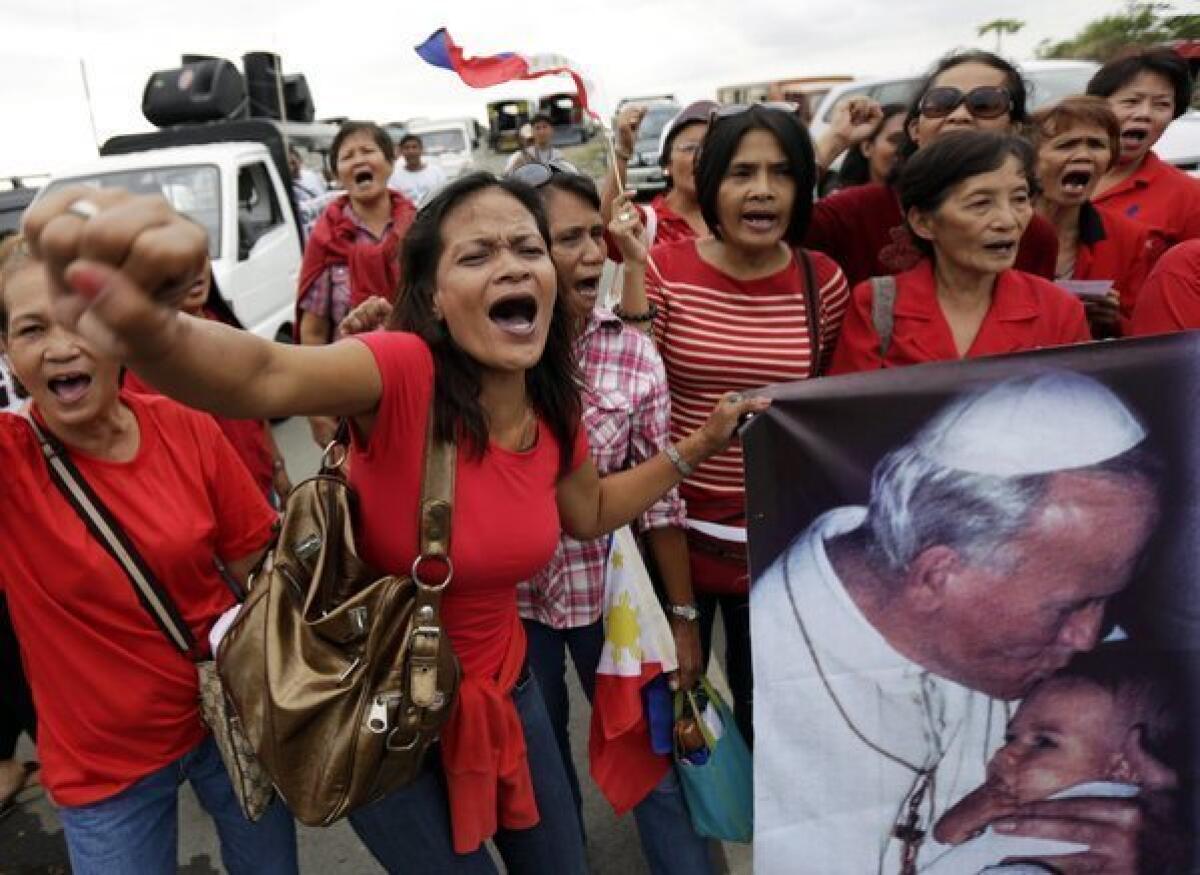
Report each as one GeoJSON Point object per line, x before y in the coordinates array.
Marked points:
{"type": "Point", "coordinates": [1027, 312]}
{"type": "Point", "coordinates": [1170, 299]}
{"type": "Point", "coordinates": [1157, 195]}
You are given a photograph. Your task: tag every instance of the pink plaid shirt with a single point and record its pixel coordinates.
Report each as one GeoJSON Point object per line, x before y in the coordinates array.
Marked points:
{"type": "Point", "coordinates": [627, 414]}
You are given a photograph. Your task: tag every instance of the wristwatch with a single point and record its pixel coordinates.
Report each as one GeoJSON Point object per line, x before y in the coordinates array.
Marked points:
{"type": "Point", "coordinates": [690, 613]}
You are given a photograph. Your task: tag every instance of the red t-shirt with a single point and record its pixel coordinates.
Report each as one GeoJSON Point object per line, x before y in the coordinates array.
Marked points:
{"type": "Point", "coordinates": [1157, 195]}
{"type": "Point", "coordinates": [492, 547]}
{"type": "Point", "coordinates": [1170, 299]}
{"type": "Point", "coordinates": [718, 334]}
{"type": "Point", "coordinates": [248, 437]}
{"type": "Point", "coordinates": [504, 529]}
{"type": "Point", "coordinates": [863, 230]}
{"type": "Point", "coordinates": [1027, 312]}
{"type": "Point", "coordinates": [1117, 249]}
{"type": "Point", "coordinates": [115, 700]}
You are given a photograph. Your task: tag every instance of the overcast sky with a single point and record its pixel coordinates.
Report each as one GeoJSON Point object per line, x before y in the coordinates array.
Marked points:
{"type": "Point", "coordinates": [359, 59]}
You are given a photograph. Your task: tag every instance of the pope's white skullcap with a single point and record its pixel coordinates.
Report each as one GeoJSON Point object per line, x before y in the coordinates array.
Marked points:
{"type": "Point", "coordinates": [1055, 421]}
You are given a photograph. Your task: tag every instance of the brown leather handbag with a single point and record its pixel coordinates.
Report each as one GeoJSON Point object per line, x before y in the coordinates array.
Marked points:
{"type": "Point", "coordinates": [342, 677]}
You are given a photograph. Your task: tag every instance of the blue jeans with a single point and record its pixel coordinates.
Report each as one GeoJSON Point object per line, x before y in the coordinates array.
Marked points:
{"type": "Point", "coordinates": [669, 843]}
{"type": "Point", "coordinates": [136, 832]}
{"type": "Point", "coordinates": [408, 831]}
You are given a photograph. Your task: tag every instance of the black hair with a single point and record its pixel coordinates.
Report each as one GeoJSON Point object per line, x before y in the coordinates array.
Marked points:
{"type": "Point", "coordinates": [411, 138]}
{"type": "Point", "coordinates": [856, 167]}
{"type": "Point", "coordinates": [1125, 67]}
{"type": "Point", "coordinates": [553, 383]}
{"type": "Point", "coordinates": [583, 187]}
{"type": "Point", "coordinates": [1013, 81]}
{"type": "Point", "coordinates": [217, 305]}
{"type": "Point", "coordinates": [931, 174]}
{"type": "Point", "coordinates": [720, 145]}
{"type": "Point", "coordinates": [381, 137]}
{"type": "Point", "coordinates": [541, 117]}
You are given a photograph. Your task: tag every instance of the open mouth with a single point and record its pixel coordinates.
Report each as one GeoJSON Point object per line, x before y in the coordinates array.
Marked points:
{"type": "Point", "coordinates": [516, 314]}
{"type": "Point", "coordinates": [588, 287]}
{"type": "Point", "coordinates": [1134, 138]}
{"type": "Point", "coordinates": [69, 388]}
{"type": "Point", "coordinates": [1002, 248]}
{"type": "Point", "coordinates": [363, 178]}
{"type": "Point", "coordinates": [760, 220]}
{"type": "Point", "coordinates": [1076, 181]}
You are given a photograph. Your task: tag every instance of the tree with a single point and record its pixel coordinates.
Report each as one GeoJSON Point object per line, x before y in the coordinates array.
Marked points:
{"type": "Point", "coordinates": [1143, 22]}
{"type": "Point", "coordinates": [1001, 27]}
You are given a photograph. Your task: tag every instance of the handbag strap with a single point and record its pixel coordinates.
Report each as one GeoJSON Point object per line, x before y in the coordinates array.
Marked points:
{"type": "Point", "coordinates": [812, 307]}
{"type": "Point", "coordinates": [883, 312]}
{"type": "Point", "coordinates": [105, 529]}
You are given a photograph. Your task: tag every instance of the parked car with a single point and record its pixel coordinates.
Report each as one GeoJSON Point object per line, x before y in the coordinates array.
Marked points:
{"type": "Point", "coordinates": [12, 207]}
{"type": "Point", "coordinates": [1180, 143]}
{"type": "Point", "coordinates": [448, 143]}
{"type": "Point", "coordinates": [232, 179]}
{"type": "Point", "coordinates": [572, 125]}
{"type": "Point", "coordinates": [505, 118]}
{"type": "Point", "coordinates": [644, 174]}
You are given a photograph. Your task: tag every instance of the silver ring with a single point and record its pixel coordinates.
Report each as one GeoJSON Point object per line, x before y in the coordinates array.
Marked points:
{"type": "Point", "coordinates": [84, 209]}
{"type": "Point", "coordinates": [626, 216]}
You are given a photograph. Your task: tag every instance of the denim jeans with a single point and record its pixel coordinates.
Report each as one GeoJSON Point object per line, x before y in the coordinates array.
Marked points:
{"type": "Point", "coordinates": [408, 831]}
{"type": "Point", "coordinates": [136, 832]}
{"type": "Point", "coordinates": [669, 843]}
{"type": "Point", "coordinates": [735, 613]}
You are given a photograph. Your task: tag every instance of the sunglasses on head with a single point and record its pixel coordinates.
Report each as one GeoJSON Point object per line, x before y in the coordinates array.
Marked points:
{"type": "Point", "coordinates": [732, 109]}
{"type": "Point", "coordinates": [987, 101]}
{"type": "Point", "coordinates": [536, 174]}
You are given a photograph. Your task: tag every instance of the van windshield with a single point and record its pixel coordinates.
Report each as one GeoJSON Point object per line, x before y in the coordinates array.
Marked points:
{"type": "Point", "coordinates": [194, 190]}
{"type": "Point", "coordinates": [441, 142]}
{"type": "Point", "coordinates": [655, 120]}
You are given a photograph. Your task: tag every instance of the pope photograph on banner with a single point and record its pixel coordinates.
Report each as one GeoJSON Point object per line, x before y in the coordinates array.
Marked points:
{"type": "Point", "coordinates": [975, 614]}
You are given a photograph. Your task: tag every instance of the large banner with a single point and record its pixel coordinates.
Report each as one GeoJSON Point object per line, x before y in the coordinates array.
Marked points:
{"type": "Point", "coordinates": [974, 613]}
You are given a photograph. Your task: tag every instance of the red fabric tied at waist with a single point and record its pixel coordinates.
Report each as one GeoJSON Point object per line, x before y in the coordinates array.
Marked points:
{"type": "Point", "coordinates": [484, 757]}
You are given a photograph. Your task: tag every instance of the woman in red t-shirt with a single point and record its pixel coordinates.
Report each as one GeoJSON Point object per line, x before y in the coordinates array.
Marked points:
{"type": "Point", "coordinates": [729, 313]}
{"type": "Point", "coordinates": [119, 726]}
{"type": "Point", "coordinates": [1076, 141]}
{"type": "Point", "coordinates": [1147, 89]}
{"type": "Point", "coordinates": [482, 331]}
{"type": "Point", "coordinates": [862, 228]}
{"type": "Point", "coordinates": [968, 199]}
{"type": "Point", "coordinates": [674, 214]}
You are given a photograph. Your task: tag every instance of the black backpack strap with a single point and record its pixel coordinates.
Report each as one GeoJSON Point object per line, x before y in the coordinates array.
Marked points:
{"type": "Point", "coordinates": [812, 307]}
{"type": "Point", "coordinates": [105, 529]}
{"type": "Point", "coordinates": [883, 311]}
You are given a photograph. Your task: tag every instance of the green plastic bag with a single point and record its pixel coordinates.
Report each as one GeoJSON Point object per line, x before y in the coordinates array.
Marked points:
{"type": "Point", "coordinates": [720, 792]}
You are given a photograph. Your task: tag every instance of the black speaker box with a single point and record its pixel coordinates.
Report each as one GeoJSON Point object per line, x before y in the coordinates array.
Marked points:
{"type": "Point", "coordinates": [199, 91]}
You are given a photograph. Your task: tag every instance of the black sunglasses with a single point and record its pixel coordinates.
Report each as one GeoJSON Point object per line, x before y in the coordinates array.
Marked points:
{"type": "Point", "coordinates": [536, 174]}
{"type": "Point", "coordinates": [987, 101]}
{"type": "Point", "coordinates": [732, 109]}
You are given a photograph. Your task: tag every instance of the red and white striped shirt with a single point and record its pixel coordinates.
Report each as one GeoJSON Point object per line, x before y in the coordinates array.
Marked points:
{"type": "Point", "coordinates": [720, 334]}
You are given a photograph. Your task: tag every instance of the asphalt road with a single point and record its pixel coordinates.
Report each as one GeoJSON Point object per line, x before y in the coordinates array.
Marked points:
{"type": "Point", "coordinates": [31, 840]}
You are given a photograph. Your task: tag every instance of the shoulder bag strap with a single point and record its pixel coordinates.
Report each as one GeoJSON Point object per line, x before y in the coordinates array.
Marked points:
{"type": "Point", "coordinates": [812, 307]}
{"type": "Point", "coordinates": [883, 311]}
{"type": "Point", "coordinates": [437, 506]}
{"type": "Point", "coordinates": [105, 529]}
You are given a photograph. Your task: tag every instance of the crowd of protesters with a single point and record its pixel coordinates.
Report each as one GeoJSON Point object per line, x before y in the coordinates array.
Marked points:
{"type": "Point", "coordinates": [958, 226]}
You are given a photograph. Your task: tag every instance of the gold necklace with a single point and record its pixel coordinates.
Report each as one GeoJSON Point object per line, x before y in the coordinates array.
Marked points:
{"type": "Point", "coordinates": [909, 831]}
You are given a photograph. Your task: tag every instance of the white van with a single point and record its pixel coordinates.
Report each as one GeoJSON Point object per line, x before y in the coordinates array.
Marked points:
{"type": "Point", "coordinates": [450, 144]}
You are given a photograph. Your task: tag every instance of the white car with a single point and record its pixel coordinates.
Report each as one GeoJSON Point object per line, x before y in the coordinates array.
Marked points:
{"type": "Point", "coordinates": [450, 144]}
{"type": "Point", "coordinates": [1180, 143]}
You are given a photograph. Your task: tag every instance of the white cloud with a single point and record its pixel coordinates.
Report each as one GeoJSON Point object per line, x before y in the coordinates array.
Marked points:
{"type": "Point", "coordinates": [359, 58]}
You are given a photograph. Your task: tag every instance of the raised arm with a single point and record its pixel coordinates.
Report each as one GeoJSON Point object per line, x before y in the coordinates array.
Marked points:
{"type": "Point", "coordinates": [116, 262]}
{"type": "Point", "coordinates": [625, 135]}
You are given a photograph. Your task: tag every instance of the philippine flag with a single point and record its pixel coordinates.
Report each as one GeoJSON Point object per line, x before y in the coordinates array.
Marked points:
{"type": "Point", "coordinates": [638, 647]}
{"type": "Point", "coordinates": [480, 72]}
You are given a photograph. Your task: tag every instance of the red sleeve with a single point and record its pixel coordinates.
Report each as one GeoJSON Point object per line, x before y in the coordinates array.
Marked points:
{"type": "Point", "coordinates": [244, 519]}
{"type": "Point", "coordinates": [1038, 252]}
{"type": "Point", "coordinates": [858, 346]}
{"type": "Point", "coordinates": [656, 296]}
{"type": "Point", "coordinates": [830, 229]}
{"type": "Point", "coordinates": [405, 368]}
{"type": "Point", "coordinates": [1073, 325]}
{"type": "Point", "coordinates": [1170, 298]}
{"type": "Point", "coordinates": [1143, 250]}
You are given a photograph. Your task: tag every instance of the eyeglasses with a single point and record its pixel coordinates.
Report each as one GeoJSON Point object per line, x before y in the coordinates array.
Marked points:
{"type": "Point", "coordinates": [732, 109]}
{"type": "Point", "coordinates": [536, 174]}
{"type": "Point", "coordinates": [987, 101]}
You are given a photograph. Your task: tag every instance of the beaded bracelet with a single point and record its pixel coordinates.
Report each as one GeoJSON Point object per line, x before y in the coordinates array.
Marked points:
{"type": "Point", "coordinates": [648, 316]}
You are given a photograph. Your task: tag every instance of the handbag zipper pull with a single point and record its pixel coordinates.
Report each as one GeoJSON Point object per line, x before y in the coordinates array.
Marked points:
{"type": "Point", "coordinates": [377, 717]}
